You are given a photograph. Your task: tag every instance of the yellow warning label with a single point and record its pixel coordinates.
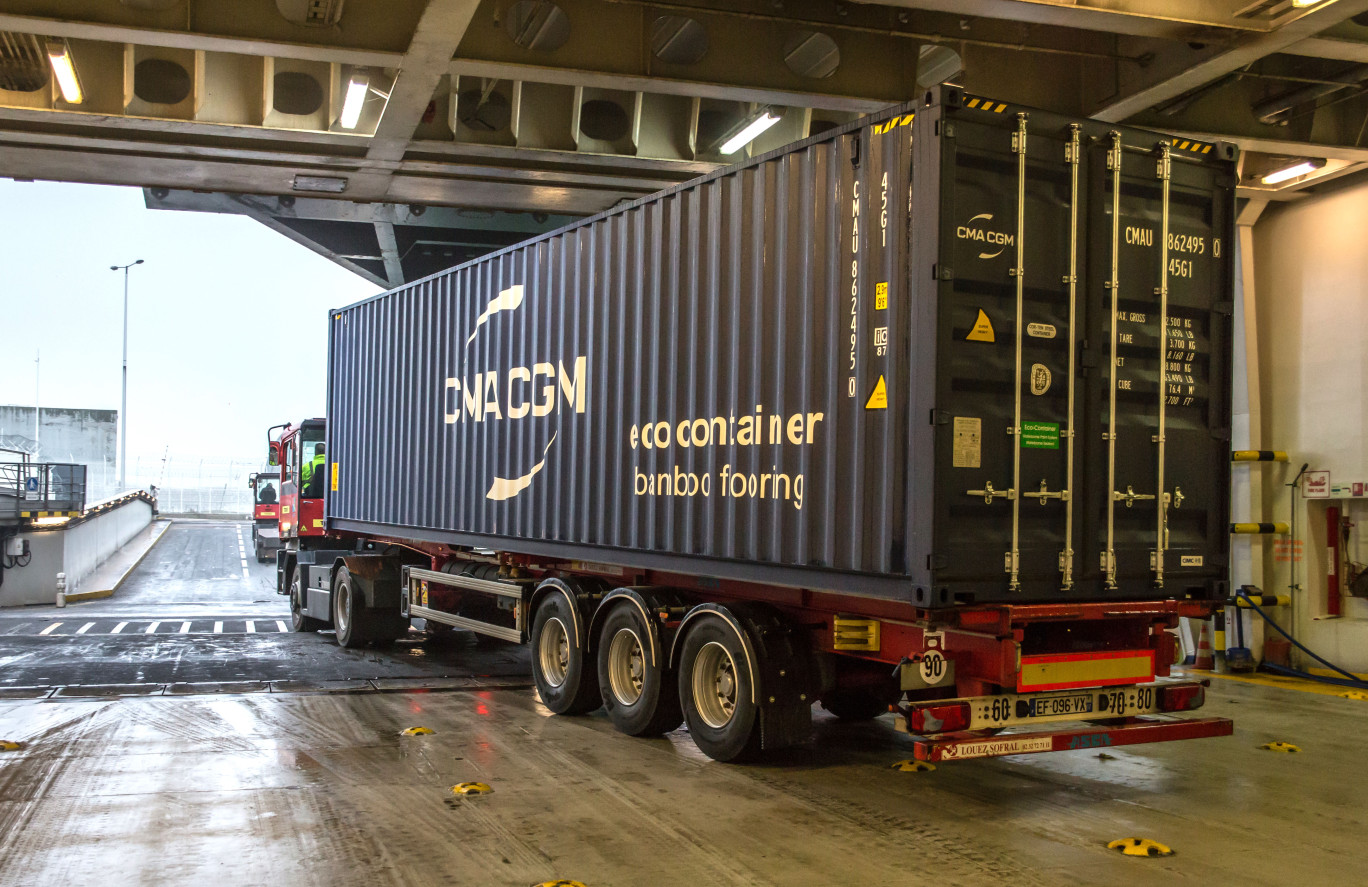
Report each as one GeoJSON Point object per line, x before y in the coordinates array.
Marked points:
{"type": "Point", "coordinates": [878, 398]}
{"type": "Point", "coordinates": [880, 296]}
{"type": "Point", "coordinates": [982, 331]}
{"type": "Point", "coordinates": [334, 477]}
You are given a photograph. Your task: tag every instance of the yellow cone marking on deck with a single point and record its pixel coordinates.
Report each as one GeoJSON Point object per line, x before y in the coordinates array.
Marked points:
{"type": "Point", "coordinates": [418, 731]}
{"type": "Point", "coordinates": [50, 629]}
{"type": "Point", "coordinates": [1354, 694]}
{"type": "Point", "coordinates": [983, 329]}
{"type": "Point", "coordinates": [913, 767]}
{"type": "Point", "coordinates": [563, 882]}
{"type": "Point", "coordinates": [470, 788]}
{"type": "Point", "coordinates": [1140, 847]}
{"type": "Point", "coordinates": [878, 398]}
{"type": "Point", "coordinates": [6, 745]}
{"type": "Point", "coordinates": [1280, 746]}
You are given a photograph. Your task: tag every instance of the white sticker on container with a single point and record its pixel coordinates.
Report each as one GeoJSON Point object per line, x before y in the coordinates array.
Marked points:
{"type": "Point", "coordinates": [1040, 378]}
{"type": "Point", "coordinates": [968, 445]}
{"type": "Point", "coordinates": [1041, 330]}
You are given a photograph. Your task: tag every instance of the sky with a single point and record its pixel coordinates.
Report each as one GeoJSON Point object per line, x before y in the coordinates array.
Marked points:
{"type": "Point", "coordinates": [227, 320]}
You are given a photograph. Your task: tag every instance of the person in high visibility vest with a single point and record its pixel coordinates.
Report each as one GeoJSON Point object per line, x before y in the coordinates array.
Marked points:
{"type": "Point", "coordinates": [311, 470]}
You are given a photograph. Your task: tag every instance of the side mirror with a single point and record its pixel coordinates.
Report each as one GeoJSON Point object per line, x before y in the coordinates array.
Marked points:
{"type": "Point", "coordinates": [273, 458]}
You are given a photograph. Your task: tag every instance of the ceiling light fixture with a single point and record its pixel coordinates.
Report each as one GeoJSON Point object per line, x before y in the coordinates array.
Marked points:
{"type": "Point", "coordinates": [357, 87]}
{"type": "Point", "coordinates": [59, 54]}
{"type": "Point", "coordinates": [1300, 168]}
{"type": "Point", "coordinates": [751, 131]}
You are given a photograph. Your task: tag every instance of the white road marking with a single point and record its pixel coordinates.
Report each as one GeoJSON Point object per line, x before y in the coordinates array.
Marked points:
{"type": "Point", "coordinates": [218, 628]}
{"type": "Point", "coordinates": [118, 628]}
{"type": "Point", "coordinates": [50, 629]}
{"type": "Point", "coordinates": [85, 628]}
{"type": "Point", "coordinates": [251, 627]}
{"type": "Point", "coordinates": [185, 628]}
{"type": "Point", "coordinates": [152, 629]}
{"type": "Point", "coordinates": [280, 626]}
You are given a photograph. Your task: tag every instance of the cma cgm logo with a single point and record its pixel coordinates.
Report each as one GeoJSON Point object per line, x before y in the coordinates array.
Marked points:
{"type": "Point", "coordinates": [985, 235]}
{"type": "Point", "coordinates": [520, 393]}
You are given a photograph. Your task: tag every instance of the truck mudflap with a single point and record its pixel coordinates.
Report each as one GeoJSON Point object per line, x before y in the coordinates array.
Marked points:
{"type": "Point", "coordinates": [1131, 731]}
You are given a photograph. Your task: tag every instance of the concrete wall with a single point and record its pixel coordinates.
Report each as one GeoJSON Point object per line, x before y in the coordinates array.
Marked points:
{"type": "Point", "coordinates": [86, 437]}
{"type": "Point", "coordinates": [1311, 271]}
{"type": "Point", "coordinates": [76, 551]}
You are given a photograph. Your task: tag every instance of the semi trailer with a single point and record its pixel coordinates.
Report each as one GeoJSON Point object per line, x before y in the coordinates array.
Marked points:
{"type": "Point", "coordinates": [929, 413]}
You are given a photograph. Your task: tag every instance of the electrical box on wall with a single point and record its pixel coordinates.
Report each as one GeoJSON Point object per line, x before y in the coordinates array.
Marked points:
{"type": "Point", "coordinates": [16, 547]}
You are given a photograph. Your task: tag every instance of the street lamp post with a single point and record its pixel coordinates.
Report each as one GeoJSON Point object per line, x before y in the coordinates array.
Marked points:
{"type": "Point", "coordinates": [123, 405]}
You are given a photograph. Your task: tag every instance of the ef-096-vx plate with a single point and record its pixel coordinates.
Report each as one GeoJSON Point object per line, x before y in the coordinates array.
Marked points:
{"type": "Point", "coordinates": [1011, 709]}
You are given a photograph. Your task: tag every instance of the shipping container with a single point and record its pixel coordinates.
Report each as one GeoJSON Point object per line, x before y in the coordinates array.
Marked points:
{"type": "Point", "coordinates": [958, 352]}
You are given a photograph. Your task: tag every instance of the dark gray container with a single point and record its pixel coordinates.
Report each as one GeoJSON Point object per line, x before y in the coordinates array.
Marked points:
{"type": "Point", "coordinates": [853, 365]}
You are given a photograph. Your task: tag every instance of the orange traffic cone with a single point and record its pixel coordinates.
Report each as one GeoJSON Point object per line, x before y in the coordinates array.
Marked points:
{"type": "Point", "coordinates": [1205, 659]}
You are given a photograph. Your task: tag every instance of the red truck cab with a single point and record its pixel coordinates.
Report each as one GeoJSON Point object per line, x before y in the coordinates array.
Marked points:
{"type": "Point", "coordinates": [300, 454]}
{"type": "Point", "coordinates": [265, 487]}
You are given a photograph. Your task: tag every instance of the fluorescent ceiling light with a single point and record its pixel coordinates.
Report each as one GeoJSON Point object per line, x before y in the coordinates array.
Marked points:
{"type": "Point", "coordinates": [59, 54]}
{"type": "Point", "coordinates": [357, 87]}
{"type": "Point", "coordinates": [750, 133]}
{"type": "Point", "coordinates": [1291, 172]}
{"type": "Point", "coordinates": [1305, 2]}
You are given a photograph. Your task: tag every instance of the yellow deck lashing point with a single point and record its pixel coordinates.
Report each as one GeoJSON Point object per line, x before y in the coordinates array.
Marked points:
{"type": "Point", "coordinates": [563, 882]}
{"type": "Point", "coordinates": [1285, 747]}
{"type": "Point", "coordinates": [416, 731]}
{"type": "Point", "coordinates": [470, 788]}
{"type": "Point", "coordinates": [913, 767]}
{"type": "Point", "coordinates": [6, 745]}
{"type": "Point", "coordinates": [1140, 847]}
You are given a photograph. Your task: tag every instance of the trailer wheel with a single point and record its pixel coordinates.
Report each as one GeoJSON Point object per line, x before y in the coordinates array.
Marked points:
{"type": "Point", "coordinates": [715, 688]}
{"type": "Point", "coordinates": [566, 677]}
{"type": "Point", "coordinates": [299, 621]}
{"type": "Point", "coordinates": [347, 610]}
{"type": "Point", "coordinates": [641, 697]}
{"type": "Point", "coordinates": [260, 551]}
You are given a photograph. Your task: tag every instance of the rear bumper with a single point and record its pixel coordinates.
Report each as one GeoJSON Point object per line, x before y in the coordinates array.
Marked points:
{"type": "Point", "coordinates": [1131, 731]}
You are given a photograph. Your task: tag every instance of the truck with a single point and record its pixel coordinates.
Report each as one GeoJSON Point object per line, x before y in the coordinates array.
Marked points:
{"type": "Point", "coordinates": [265, 487]}
{"type": "Point", "coordinates": [928, 414]}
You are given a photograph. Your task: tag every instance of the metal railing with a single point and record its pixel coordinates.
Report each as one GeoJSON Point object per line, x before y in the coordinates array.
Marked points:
{"type": "Point", "coordinates": [27, 487]}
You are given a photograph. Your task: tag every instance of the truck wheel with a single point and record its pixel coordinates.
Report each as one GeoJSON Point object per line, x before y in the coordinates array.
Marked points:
{"type": "Point", "coordinates": [854, 705]}
{"type": "Point", "coordinates": [566, 677]}
{"type": "Point", "coordinates": [298, 620]}
{"type": "Point", "coordinates": [642, 699]}
{"type": "Point", "coordinates": [260, 553]}
{"type": "Point", "coordinates": [348, 611]}
{"type": "Point", "coordinates": [715, 690]}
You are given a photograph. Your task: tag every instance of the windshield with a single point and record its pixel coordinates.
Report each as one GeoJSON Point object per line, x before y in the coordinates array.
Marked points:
{"type": "Point", "coordinates": [267, 491]}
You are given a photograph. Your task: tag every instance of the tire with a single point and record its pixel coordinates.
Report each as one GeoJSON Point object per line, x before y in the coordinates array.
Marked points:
{"type": "Point", "coordinates": [642, 699]}
{"type": "Point", "coordinates": [349, 611]}
{"type": "Point", "coordinates": [715, 692]}
{"type": "Point", "coordinates": [855, 705]}
{"type": "Point", "coordinates": [298, 620]}
{"type": "Point", "coordinates": [566, 678]}
{"type": "Point", "coordinates": [260, 553]}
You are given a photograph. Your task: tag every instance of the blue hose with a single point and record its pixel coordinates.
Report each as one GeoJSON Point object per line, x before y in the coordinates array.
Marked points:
{"type": "Point", "coordinates": [1349, 679]}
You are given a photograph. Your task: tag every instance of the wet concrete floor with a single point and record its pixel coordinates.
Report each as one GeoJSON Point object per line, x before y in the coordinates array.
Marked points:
{"type": "Point", "coordinates": [309, 782]}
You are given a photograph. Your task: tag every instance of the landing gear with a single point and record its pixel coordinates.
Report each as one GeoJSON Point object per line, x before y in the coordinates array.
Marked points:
{"type": "Point", "coordinates": [715, 689]}
{"type": "Point", "coordinates": [640, 695]}
{"type": "Point", "coordinates": [566, 677]}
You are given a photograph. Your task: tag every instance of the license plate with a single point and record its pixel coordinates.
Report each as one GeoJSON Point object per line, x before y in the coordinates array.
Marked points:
{"type": "Point", "coordinates": [1054, 706]}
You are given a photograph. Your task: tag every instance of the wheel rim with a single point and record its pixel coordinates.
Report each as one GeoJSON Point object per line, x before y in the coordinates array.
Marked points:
{"type": "Point", "coordinates": [714, 685]}
{"type": "Point", "coordinates": [626, 666]}
{"type": "Point", "coordinates": [553, 651]}
{"type": "Point", "coordinates": [296, 606]}
{"type": "Point", "coordinates": [343, 612]}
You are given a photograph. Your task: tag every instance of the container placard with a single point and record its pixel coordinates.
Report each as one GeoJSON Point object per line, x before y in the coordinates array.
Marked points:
{"type": "Point", "coordinates": [1040, 435]}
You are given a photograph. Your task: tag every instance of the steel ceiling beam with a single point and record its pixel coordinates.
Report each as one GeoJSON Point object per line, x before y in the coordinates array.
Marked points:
{"type": "Point", "coordinates": [1241, 52]}
{"type": "Point", "coordinates": [1167, 19]}
{"type": "Point", "coordinates": [389, 251]}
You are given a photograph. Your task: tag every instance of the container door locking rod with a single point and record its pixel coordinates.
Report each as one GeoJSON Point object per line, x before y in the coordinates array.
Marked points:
{"type": "Point", "coordinates": [1161, 530]}
{"type": "Point", "coordinates": [1113, 164]}
{"type": "Point", "coordinates": [1072, 154]}
{"type": "Point", "coordinates": [1019, 146]}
